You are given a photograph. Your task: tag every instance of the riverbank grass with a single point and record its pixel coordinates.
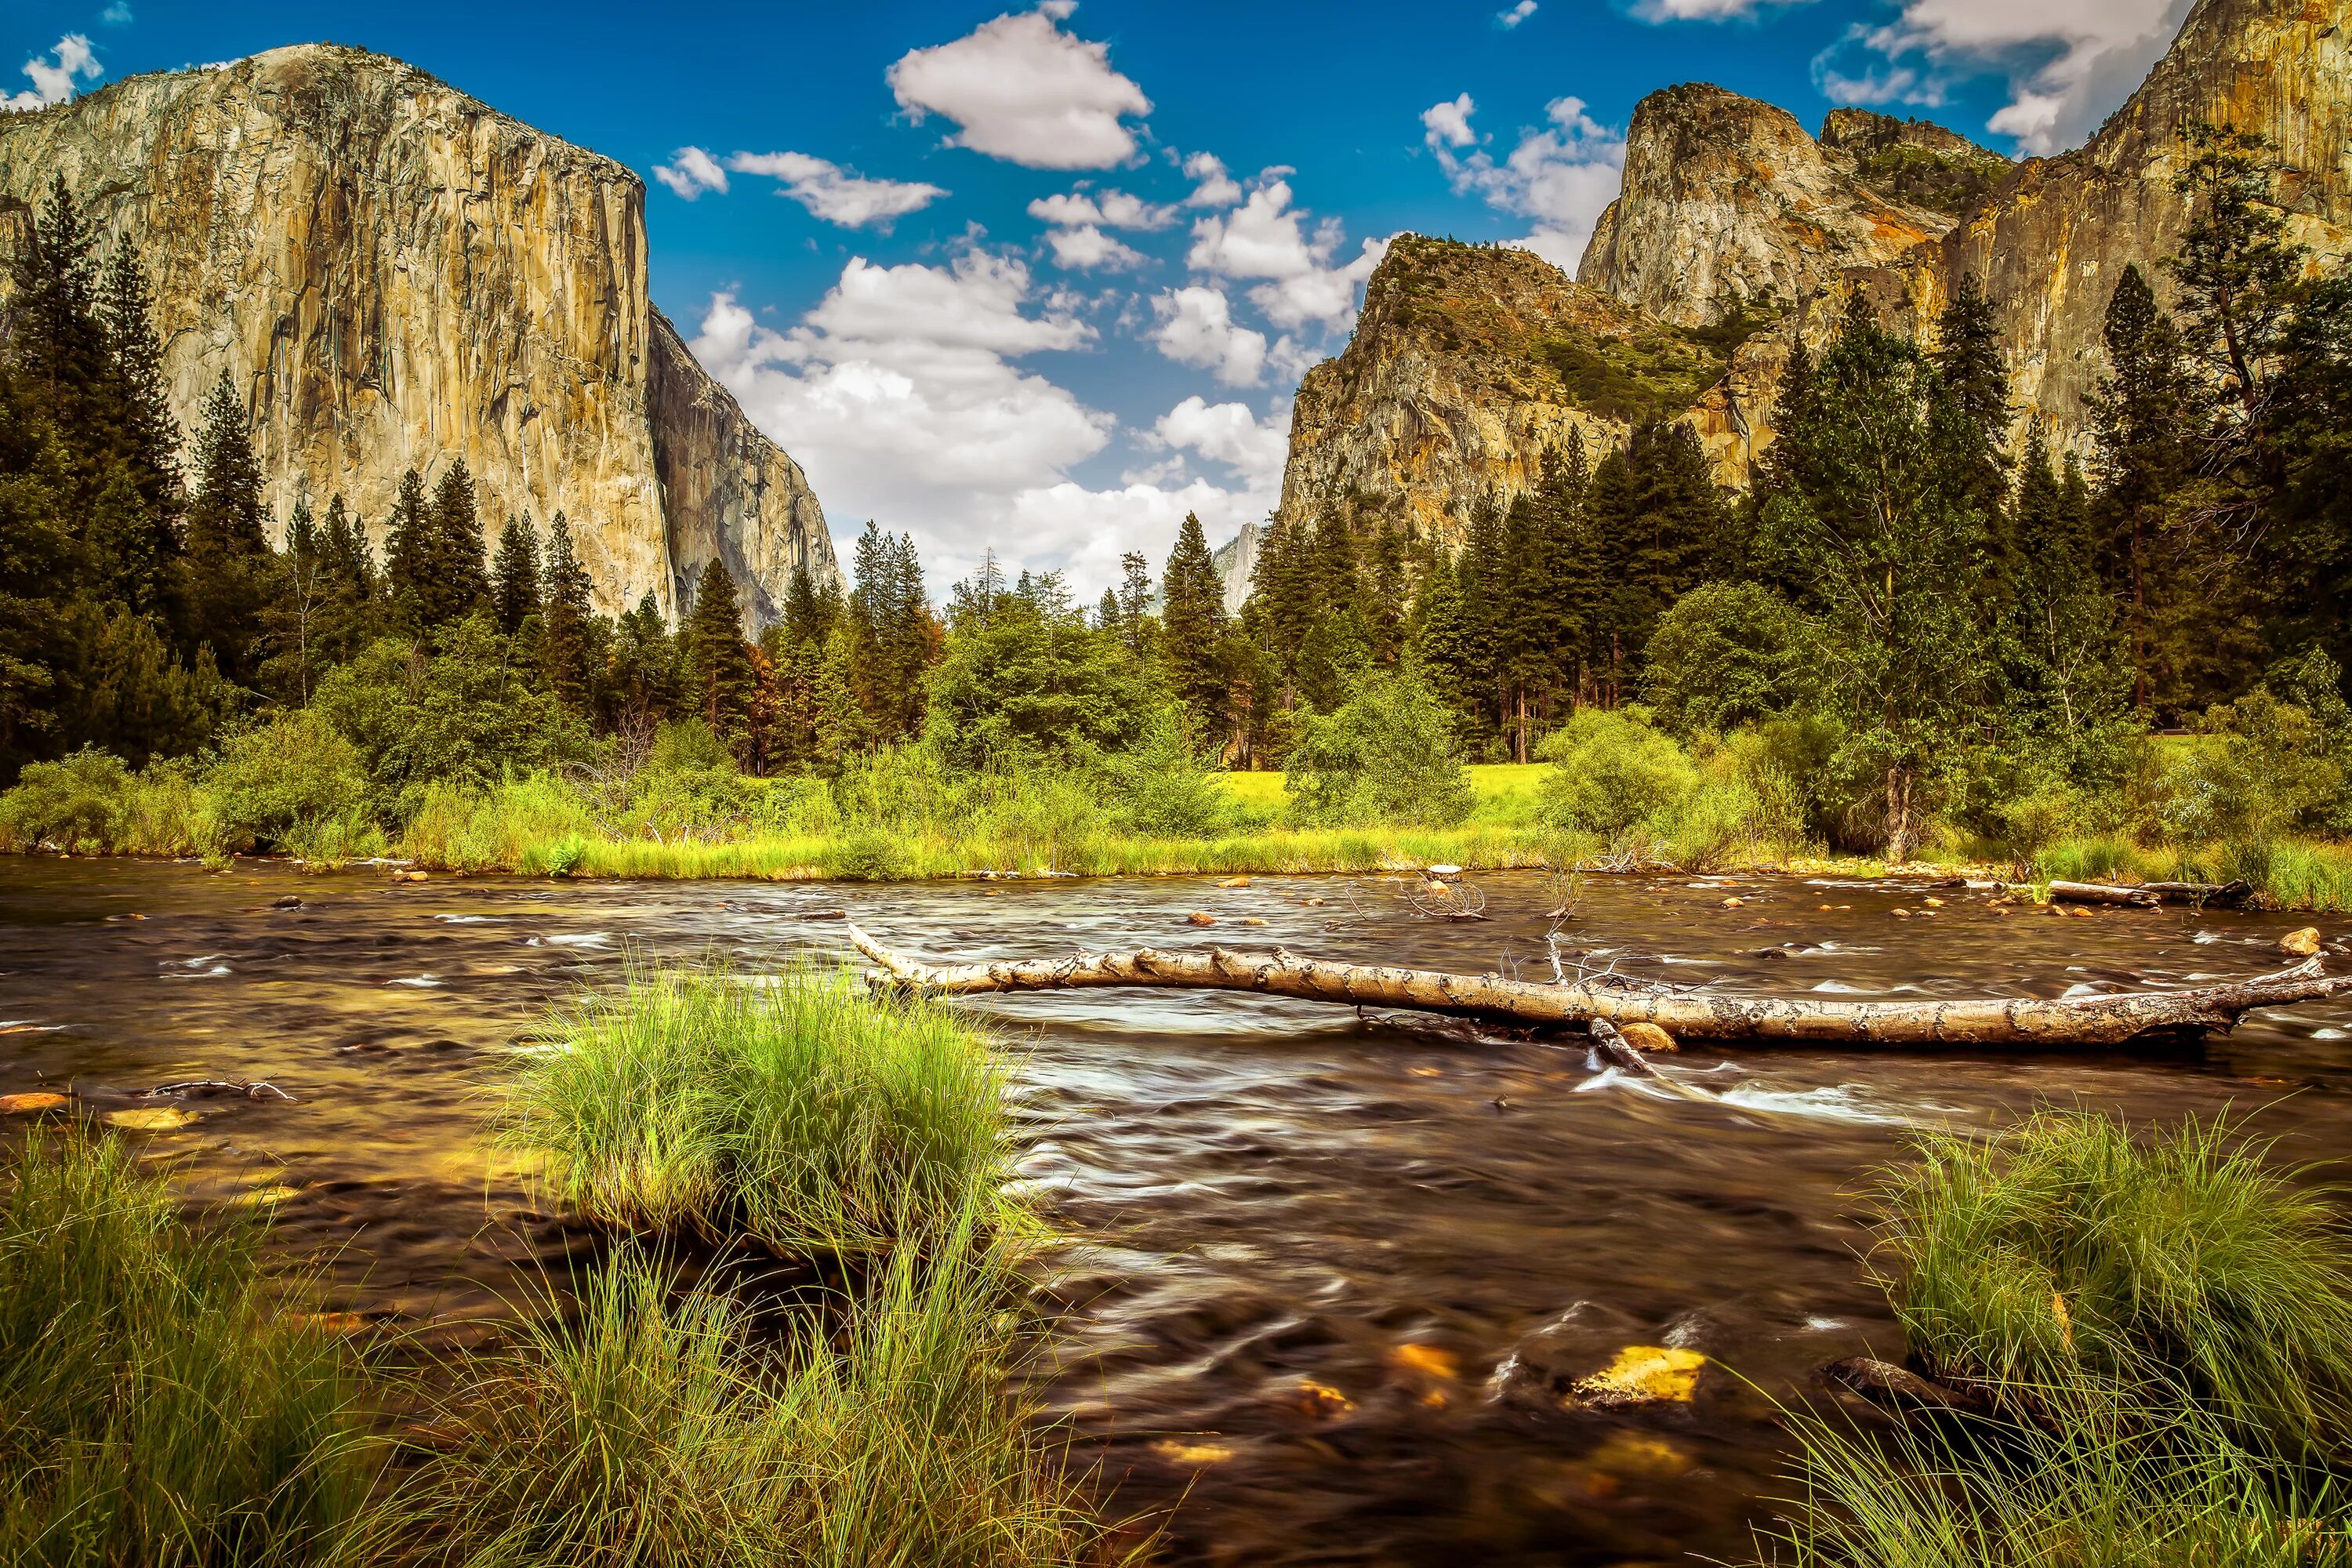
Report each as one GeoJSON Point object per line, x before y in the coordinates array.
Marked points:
{"type": "Point", "coordinates": [2162, 1323]}
{"type": "Point", "coordinates": [801, 1113]}
{"type": "Point", "coordinates": [2176, 1267]}
{"type": "Point", "coordinates": [655, 1428]}
{"type": "Point", "coordinates": [157, 1405]}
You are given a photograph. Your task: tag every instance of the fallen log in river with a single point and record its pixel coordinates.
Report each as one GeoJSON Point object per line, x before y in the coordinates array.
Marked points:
{"type": "Point", "coordinates": [2022, 1021]}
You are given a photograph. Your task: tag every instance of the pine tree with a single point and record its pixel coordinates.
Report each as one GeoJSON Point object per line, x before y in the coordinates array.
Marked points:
{"type": "Point", "coordinates": [462, 585]}
{"type": "Point", "coordinates": [2236, 272]}
{"type": "Point", "coordinates": [227, 550]}
{"type": "Point", "coordinates": [514, 593]}
{"type": "Point", "coordinates": [565, 652]}
{"type": "Point", "coordinates": [409, 561]}
{"type": "Point", "coordinates": [1882, 514]}
{"type": "Point", "coordinates": [719, 671]}
{"type": "Point", "coordinates": [1967, 361]}
{"type": "Point", "coordinates": [146, 436]}
{"type": "Point", "coordinates": [893, 632]}
{"type": "Point", "coordinates": [59, 340]}
{"type": "Point", "coordinates": [2142, 418]}
{"type": "Point", "coordinates": [38, 561]}
{"type": "Point", "coordinates": [1192, 623]}
{"type": "Point", "coordinates": [1135, 618]}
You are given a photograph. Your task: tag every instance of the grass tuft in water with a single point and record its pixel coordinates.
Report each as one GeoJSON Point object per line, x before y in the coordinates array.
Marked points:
{"type": "Point", "coordinates": [2163, 1322]}
{"type": "Point", "coordinates": [155, 1405]}
{"type": "Point", "coordinates": [802, 1113]}
{"type": "Point", "coordinates": [659, 1427]}
{"type": "Point", "coordinates": [2176, 1267]}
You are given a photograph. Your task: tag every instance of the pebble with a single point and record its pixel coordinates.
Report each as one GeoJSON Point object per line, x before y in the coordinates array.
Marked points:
{"type": "Point", "coordinates": [1201, 918]}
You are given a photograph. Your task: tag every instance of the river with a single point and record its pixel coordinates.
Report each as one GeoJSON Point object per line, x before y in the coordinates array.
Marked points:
{"type": "Point", "coordinates": [1329, 1276]}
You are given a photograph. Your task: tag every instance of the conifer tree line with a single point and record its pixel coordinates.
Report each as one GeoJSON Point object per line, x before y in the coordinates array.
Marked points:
{"type": "Point", "coordinates": [150, 603]}
{"type": "Point", "coordinates": [1934, 614]}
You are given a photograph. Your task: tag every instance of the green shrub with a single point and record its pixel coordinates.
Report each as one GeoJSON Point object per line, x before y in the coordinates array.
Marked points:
{"type": "Point", "coordinates": [801, 1113]}
{"type": "Point", "coordinates": [292, 776]}
{"type": "Point", "coordinates": [80, 803]}
{"type": "Point", "coordinates": [461, 828]}
{"type": "Point", "coordinates": [1164, 789]}
{"type": "Point", "coordinates": [1385, 755]}
{"type": "Point", "coordinates": [462, 713]}
{"type": "Point", "coordinates": [1613, 772]}
{"type": "Point", "coordinates": [1726, 654]}
{"type": "Point", "coordinates": [160, 1406]}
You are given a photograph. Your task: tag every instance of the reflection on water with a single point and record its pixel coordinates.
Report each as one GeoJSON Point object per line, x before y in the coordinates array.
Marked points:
{"type": "Point", "coordinates": [1332, 1275]}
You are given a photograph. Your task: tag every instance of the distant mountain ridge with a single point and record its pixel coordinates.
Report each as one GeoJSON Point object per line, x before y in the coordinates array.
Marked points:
{"type": "Point", "coordinates": [392, 274]}
{"type": "Point", "coordinates": [1736, 232]}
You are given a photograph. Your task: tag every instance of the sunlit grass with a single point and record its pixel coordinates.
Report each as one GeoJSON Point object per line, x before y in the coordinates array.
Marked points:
{"type": "Point", "coordinates": [2162, 1323]}
{"type": "Point", "coordinates": [656, 1428]}
{"type": "Point", "coordinates": [2174, 1265]}
{"type": "Point", "coordinates": [803, 1112]}
{"type": "Point", "coordinates": [156, 1406]}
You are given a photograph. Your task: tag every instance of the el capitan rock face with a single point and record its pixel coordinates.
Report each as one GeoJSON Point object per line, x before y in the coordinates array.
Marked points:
{"type": "Point", "coordinates": [393, 275]}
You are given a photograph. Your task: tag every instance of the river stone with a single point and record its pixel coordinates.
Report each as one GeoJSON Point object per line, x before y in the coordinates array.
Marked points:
{"type": "Point", "coordinates": [28, 1104]}
{"type": "Point", "coordinates": [2301, 943]}
{"type": "Point", "coordinates": [1647, 1039]}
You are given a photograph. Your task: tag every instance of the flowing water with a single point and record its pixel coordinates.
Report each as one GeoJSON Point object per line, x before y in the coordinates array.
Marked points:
{"type": "Point", "coordinates": [1332, 1275]}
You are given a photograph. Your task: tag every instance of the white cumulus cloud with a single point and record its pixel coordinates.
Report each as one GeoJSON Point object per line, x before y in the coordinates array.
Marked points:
{"type": "Point", "coordinates": [899, 396]}
{"type": "Point", "coordinates": [1561, 174]}
{"type": "Point", "coordinates": [690, 172]}
{"type": "Point", "coordinates": [1197, 328]}
{"type": "Point", "coordinates": [1212, 187]}
{"type": "Point", "coordinates": [836, 194]}
{"type": "Point", "coordinates": [2068, 62]}
{"type": "Point", "coordinates": [1517, 14]}
{"type": "Point", "coordinates": [1266, 237]}
{"type": "Point", "coordinates": [1020, 89]}
{"type": "Point", "coordinates": [1448, 124]}
{"type": "Point", "coordinates": [1087, 248]}
{"type": "Point", "coordinates": [1110, 209]}
{"type": "Point", "coordinates": [71, 60]}
{"type": "Point", "coordinates": [1228, 433]}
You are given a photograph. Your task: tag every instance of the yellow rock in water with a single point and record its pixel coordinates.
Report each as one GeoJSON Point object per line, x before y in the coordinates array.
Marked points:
{"type": "Point", "coordinates": [1647, 1038]}
{"type": "Point", "coordinates": [2301, 943]}
{"type": "Point", "coordinates": [155, 1118]}
{"type": "Point", "coordinates": [1637, 1454]}
{"type": "Point", "coordinates": [1320, 1399]}
{"type": "Point", "coordinates": [1643, 1374]}
{"type": "Point", "coordinates": [1427, 1360]}
{"type": "Point", "coordinates": [26, 1104]}
{"type": "Point", "coordinates": [1192, 1453]}
{"type": "Point", "coordinates": [1234, 882]}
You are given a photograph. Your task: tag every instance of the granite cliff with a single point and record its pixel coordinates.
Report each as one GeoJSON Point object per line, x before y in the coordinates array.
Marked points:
{"type": "Point", "coordinates": [2051, 242]}
{"type": "Point", "coordinates": [1470, 362]}
{"type": "Point", "coordinates": [1730, 206]}
{"type": "Point", "coordinates": [395, 275]}
{"type": "Point", "coordinates": [1736, 233]}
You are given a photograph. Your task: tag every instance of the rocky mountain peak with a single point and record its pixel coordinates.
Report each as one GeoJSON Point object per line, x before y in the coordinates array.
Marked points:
{"type": "Point", "coordinates": [1730, 208]}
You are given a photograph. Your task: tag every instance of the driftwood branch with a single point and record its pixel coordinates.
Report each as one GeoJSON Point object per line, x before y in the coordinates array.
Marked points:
{"type": "Point", "coordinates": [2109, 1020]}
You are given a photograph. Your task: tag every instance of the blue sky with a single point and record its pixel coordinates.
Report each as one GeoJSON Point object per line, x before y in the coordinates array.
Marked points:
{"type": "Point", "coordinates": [1042, 279]}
